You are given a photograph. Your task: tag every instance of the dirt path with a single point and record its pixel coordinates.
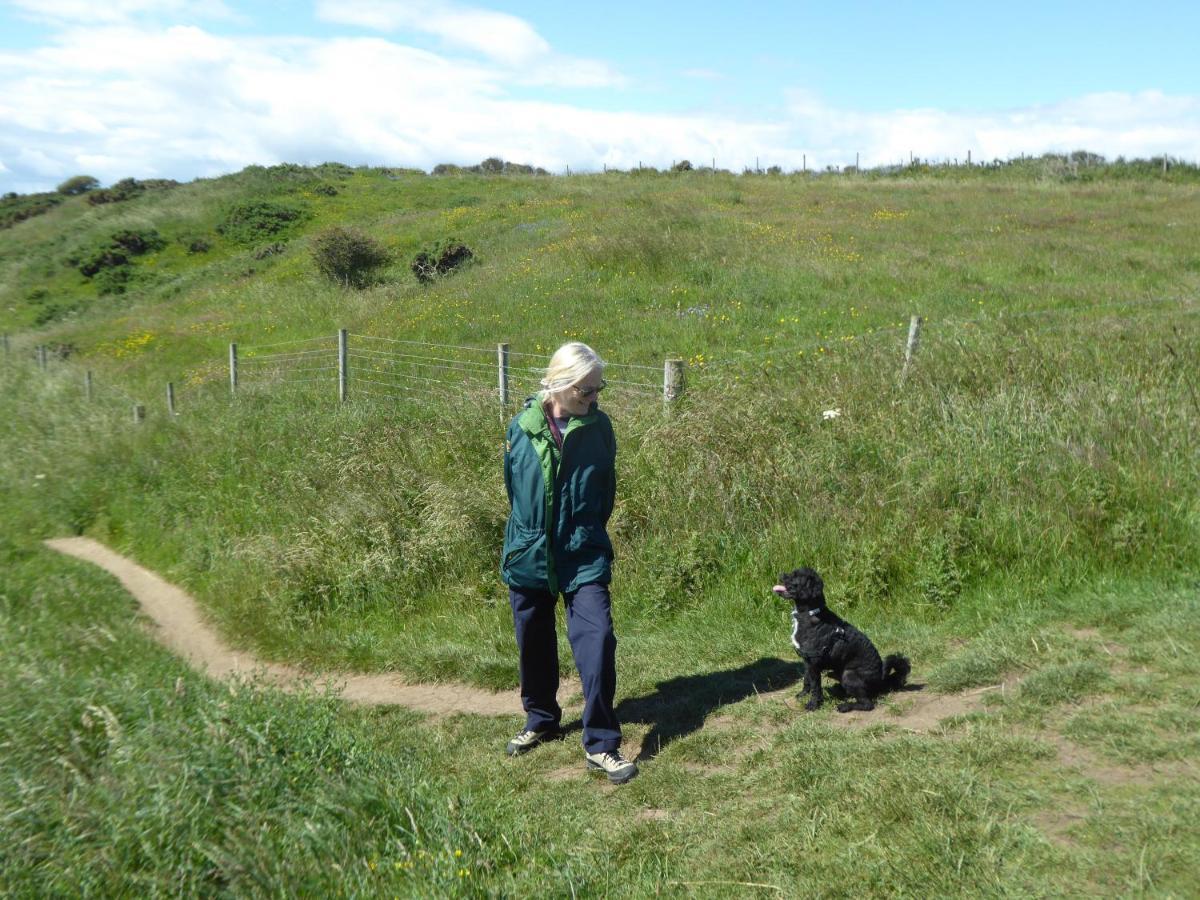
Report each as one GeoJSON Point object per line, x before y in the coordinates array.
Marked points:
{"type": "Point", "coordinates": [181, 627]}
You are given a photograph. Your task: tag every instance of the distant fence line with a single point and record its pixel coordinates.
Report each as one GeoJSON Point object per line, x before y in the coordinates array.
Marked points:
{"type": "Point", "coordinates": [392, 368]}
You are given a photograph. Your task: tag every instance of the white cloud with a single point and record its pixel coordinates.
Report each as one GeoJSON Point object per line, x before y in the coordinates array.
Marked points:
{"type": "Point", "coordinates": [502, 38]}
{"type": "Point", "coordinates": [76, 12]}
{"type": "Point", "coordinates": [133, 100]}
{"type": "Point", "coordinates": [499, 36]}
{"type": "Point", "coordinates": [1143, 124]}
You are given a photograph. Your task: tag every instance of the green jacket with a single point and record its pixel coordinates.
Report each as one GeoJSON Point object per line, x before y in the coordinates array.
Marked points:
{"type": "Point", "coordinates": [556, 538]}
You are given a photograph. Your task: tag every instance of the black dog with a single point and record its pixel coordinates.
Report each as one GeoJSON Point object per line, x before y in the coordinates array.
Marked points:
{"type": "Point", "coordinates": [828, 643]}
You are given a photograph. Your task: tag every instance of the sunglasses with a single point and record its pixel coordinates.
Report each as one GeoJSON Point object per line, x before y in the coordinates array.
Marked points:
{"type": "Point", "coordinates": [586, 392]}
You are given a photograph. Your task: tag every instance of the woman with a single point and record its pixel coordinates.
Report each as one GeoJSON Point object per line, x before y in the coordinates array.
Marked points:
{"type": "Point", "coordinates": [559, 470]}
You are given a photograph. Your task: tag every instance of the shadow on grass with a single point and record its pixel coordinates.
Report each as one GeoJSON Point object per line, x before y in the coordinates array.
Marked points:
{"type": "Point", "coordinates": [680, 705]}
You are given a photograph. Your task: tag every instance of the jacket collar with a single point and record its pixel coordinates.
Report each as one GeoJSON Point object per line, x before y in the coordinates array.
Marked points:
{"type": "Point", "coordinates": [532, 419]}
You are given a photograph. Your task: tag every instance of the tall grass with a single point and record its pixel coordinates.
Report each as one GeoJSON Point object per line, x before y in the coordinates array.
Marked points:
{"type": "Point", "coordinates": [1035, 473]}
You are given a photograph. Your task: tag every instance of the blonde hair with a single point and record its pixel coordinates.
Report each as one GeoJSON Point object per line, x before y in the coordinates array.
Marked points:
{"type": "Point", "coordinates": [570, 364]}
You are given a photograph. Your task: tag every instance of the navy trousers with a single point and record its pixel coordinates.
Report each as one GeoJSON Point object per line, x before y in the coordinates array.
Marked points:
{"type": "Point", "coordinates": [590, 631]}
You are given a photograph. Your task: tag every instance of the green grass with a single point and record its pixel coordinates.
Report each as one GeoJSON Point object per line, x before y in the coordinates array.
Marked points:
{"type": "Point", "coordinates": [1022, 508]}
{"type": "Point", "coordinates": [125, 772]}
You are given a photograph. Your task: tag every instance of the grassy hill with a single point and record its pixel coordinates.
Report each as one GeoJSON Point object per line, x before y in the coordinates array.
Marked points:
{"type": "Point", "coordinates": [1032, 479]}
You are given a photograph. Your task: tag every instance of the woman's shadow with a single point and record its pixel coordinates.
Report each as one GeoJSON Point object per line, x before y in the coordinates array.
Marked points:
{"type": "Point", "coordinates": [679, 706]}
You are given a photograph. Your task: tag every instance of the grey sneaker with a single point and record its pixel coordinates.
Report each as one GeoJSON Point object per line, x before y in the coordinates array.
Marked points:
{"type": "Point", "coordinates": [613, 764]}
{"type": "Point", "coordinates": [528, 739]}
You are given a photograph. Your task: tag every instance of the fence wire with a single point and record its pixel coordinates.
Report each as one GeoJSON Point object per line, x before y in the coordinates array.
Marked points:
{"type": "Point", "coordinates": [402, 369]}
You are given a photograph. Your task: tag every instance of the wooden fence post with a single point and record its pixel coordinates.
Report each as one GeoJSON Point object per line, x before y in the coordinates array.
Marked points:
{"type": "Point", "coordinates": [43, 364]}
{"type": "Point", "coordinates": [87, 385]}
{"type": "Point", "coordinates": [343, 363]}
{"type": "Point", "coordinates": [502, 362]}
{"type": "Point", "coordinates": [910, 349]}
{"type": "Point", "coordinates": [171, 399]}
{"type": "Point", "coordinates": [233, 369]}
{"type": "Point", "coordinates": [139, 414]}
{"type": "Point", "coordinates": [672, 380]}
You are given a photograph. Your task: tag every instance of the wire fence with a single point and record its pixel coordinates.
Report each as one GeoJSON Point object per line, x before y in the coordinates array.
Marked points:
{"type": "Point", "coordinates": [373, 368]}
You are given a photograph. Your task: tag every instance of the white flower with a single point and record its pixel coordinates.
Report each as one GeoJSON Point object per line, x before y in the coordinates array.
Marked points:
{"type": "Point", "coordinates": [831, 413]}
{"type": "Point", "coordinates": [40, 475]}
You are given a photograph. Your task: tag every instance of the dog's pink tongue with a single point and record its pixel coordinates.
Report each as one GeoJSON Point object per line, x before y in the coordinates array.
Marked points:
{"type": "Point", "coordinates": [779, 589]}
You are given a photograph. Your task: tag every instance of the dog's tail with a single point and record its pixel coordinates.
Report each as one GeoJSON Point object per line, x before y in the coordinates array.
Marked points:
{"type": "Point", "coordinates": [895, 671]}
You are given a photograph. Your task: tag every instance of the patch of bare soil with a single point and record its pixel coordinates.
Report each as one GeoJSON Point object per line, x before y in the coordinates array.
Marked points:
{"type": "Point", "coordinates": [1091, 635]}
{"type": "Point", "coordinates": [1073, 756]}
{"type": "Point", "coordinates": [180, 626]}
{"type": "Point", "coordinates": [922, 711]}
{"type": "Point", "coordinates": [652, 815]}
{"type": "Point", "coordinates": [1057, 824]}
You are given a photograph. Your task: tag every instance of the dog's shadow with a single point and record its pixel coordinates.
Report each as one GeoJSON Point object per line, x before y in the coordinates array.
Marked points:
{"type": "Point", "coordinates": [679, 706]}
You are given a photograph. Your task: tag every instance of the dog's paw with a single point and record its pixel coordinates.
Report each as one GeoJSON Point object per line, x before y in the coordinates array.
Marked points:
{"type": "Point", "coordinates": [812, 705]}
{"type": "Point", "coordinates": [846, 707]}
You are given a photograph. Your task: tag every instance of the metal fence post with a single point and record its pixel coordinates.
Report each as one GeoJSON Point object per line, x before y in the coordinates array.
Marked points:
{"type": "Point", "coordinates": [233, 369]}
{"type": "Point", "coordinates": [171, 399]}
{"type": "Point", "coordinates": [87, 385]}
{"type": "Point", "coordinates": [139, 414]}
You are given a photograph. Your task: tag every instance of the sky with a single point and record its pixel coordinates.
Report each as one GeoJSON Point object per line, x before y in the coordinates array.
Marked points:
{"type": "Point", "coordinates": [195, 88]}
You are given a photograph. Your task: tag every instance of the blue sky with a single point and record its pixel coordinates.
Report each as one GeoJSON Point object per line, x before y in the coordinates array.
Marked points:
{"type": "Point", "coordinates": [189, 88]}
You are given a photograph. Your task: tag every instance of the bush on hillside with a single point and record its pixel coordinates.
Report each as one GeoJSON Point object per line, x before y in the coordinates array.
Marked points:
{"type": "Point", "coordinates": [127, 189]}
{"type": "Point", "coordinates": [109, 264]}
{"type": "Point", "coordinates": [333, 170]}
{"type": "Point", "coordinates": [256, 220]}
{"type": "Point", "coordinates": [682, 166]}
{"type": "Point", "coordinates": [16, 208]}
{"type": "Point", "coordinates": [493, 165]}
{"type": "Point", "coordinates": [80, 184]}
{"type": "Point", "coordinates": [347, 256]}
{"type": "Point", "coordinates": [440, 259]}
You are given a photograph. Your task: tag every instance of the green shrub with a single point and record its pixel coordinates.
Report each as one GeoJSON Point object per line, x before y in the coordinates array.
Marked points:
{"type": "Point", "coordinates": [109, 264]}
{"type": "Point", "coordinates": [334, 170]}
{"type": "Point", "coordinates": [16, 208]}
{"type": "Point", "coordinates": [79, 184]}
{"type": "Point", "coordinates": [127, 189]}
{"type": "Point", "coordinates": [347, 256]}
{"type": "Point", "coordinates": [441, 258]}
{"type": "Point", "coordinates": [682, 166]}
{"type": "Point", "coordinates": [118, 250]}
{"type": "Point", "coordinates": [257, 220]}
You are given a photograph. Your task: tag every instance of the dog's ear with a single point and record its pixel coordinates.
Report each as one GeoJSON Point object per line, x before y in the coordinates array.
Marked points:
{"type": "Point", "coordinates": [806, 585]}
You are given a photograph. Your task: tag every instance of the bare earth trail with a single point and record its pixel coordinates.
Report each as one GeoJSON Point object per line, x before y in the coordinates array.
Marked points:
{"type": "Point", "coordinates": [181, 627]}
{"type": "Point", "coordinates": [184, 631]}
